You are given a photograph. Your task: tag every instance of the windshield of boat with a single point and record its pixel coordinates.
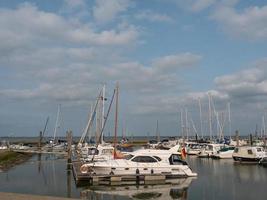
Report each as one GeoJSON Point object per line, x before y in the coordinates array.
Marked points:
{"type": "Point", "coordinates": [128, 157]}
{"type": "Point", "coordinates": [144, 159]}
{"type": "Point", "coordinates": [158, 158]}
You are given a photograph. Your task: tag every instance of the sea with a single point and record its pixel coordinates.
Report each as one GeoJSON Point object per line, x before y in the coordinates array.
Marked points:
{"type": "Point", "coordinates": [217, 180]}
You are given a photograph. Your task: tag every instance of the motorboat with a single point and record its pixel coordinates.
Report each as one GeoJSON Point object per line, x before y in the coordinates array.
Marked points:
{"type": "Point", "coordinates": [153, 144]}
{"type": "Point", "coordinates": [99, 153]}
{"type": "Point", "coordinates": [209, 150]}
{"type": "Point", "coordinates": [249, 154]}
{"type": "Point", "coordinates": [226, 152]}
{"type": "Point", "coordinates": [4, 145]}
{"type": "Point", "coordinates": [194, 148]}
{"type": "Point", "coordinates": [143, 162]}
{"type": "Point", "coordinates": [168, 143]}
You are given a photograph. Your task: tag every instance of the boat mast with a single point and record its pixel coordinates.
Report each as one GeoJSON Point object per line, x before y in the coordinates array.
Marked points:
{"type": "Point", "coordinates": [90, 121]}
{"type": "Point", "coordinates": [182, 123]}
{"type": "Point", "coordinates": [116, 118]}
{"type": "Point", "coordinates": [229, 119]}
{"type": "Point", "coordinates": [157, 131]}
{"type": "Point", "coordinates": [103, 111]}
{"type": "Point", "coordinates": [263, 126]}
{"type": "Point", "coordinates": [57, 126]}
{"type": "Point", "coordinates": [210, 119]}
{"type": "Point", "coordinates": [186, 124]}
{"type": "Point", "coordinates": [200, 115]}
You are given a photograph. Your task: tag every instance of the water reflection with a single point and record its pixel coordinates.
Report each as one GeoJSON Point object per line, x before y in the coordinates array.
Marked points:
{"type": "Point", "coordinates": [217, 179]}
{"type": "Point", "coordinates": [173, 189]}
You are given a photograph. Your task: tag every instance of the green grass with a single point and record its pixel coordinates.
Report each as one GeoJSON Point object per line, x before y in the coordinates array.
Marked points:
{"type": "Point", "coordinates": [11, 158]}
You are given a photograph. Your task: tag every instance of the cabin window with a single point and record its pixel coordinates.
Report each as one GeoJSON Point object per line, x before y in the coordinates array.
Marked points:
{"type": "Point", "coordinates": [250, 151]}
{"type": "Point", "coordinates": [175, 159]}
{"type": "Point", "coordinates": [236, 150]}
{"type": "Point", "coordinates": [128, 157]}
{"type": "Point", "coordinates": [144, 159]}
{"type": "Point", "coordinates": [107, 151]}
{"type": "Point", "coordinates": [158, 158]}
{"type": "Point", "coordinates": [259, 149]}
{"type": "Point", "coordinates": [93, 151]}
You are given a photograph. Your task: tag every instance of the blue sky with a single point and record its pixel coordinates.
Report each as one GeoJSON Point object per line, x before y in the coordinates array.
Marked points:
{"type": "Point", "coordinates": [165, 54]}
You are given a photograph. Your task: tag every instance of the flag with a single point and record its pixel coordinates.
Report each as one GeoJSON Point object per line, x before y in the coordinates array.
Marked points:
{"type": "Point", "coordinates": [183, 153]}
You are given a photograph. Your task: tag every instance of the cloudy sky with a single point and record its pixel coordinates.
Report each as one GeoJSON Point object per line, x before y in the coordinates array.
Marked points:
{"type": "Point", "coordinates": [166, 54]}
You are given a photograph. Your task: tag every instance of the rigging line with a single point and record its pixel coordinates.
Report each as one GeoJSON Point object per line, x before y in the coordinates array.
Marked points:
{"type": "Point", "coordinates": [109, 108]}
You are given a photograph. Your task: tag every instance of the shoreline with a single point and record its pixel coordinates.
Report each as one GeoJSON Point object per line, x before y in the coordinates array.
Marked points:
{"type": "Point", "coordinates": [9, 159]}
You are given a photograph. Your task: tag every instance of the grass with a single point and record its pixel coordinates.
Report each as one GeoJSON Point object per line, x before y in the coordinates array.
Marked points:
{"type": "Point", "coordinates": [9, 159]}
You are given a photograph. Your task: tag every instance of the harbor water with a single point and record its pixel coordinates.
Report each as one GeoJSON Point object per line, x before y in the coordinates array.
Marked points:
{"type": "Point", "coordinates": [217, 179]}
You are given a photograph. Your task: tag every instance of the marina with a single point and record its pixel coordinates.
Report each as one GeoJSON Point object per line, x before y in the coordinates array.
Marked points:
{"type": "Point", "coordinates": [133, 100]}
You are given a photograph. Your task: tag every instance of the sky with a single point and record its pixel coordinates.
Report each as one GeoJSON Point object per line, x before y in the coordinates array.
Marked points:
{"type": "Point", "coordinates": [167, 55]}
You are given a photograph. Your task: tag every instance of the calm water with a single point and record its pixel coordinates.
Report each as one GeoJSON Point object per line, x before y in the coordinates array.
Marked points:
{"type": "Point", "coordinates": [217, 179]}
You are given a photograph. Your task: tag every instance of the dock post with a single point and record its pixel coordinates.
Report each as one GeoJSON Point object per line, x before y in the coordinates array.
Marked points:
{"type": "Point", "coordinates": [40, 141]}
{"type": "Point", "coordinates": [69, 139]}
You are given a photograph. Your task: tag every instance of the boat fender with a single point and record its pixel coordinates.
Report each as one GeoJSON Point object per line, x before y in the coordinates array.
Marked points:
{"type": "Point", "coordinates": [137, 171]}
{"type": "Point", "coordinates": [84, 169]}
{"type": "Point", "coordinates": [152, 171]}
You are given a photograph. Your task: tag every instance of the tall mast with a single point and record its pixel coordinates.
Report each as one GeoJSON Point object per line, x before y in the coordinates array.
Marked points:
{"type": "Point", "coordinates": [57, 126]}
{"type": "Point", "coordinates": [182, 123]}
{"type": "Point", "coordinates": [186, 123]}
{"type": "Point", "coordinates": [263, 126]}
{"type": "Point", "coordinates": [210, 119]}
{"type": "Point", "coordinates": [229, 119]}
{"type": "Point", "coordinates": [103, 111]}
{"type": "Point", "coordinates": [200, 115]}
{"type": "Point", "coordinates": [157, 131]}
{"type": "Point", "coordinates": [116, 115]}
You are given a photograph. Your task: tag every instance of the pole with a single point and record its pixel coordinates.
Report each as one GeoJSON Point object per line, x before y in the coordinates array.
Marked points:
{"type": "Point", "coordinates": [69, 140]}
{"type": "Point", "coordinates": [210, 118]}
{"type": "Point", "coordinates": [116, 118]}
{"type": "Point", "coordinates": [229, 119]}
{"type": "Point", "coordinates": [200, 115]}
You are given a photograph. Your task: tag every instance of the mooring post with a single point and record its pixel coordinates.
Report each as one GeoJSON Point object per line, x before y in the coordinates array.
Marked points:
{"type": "Point", "coordinates": [237, 138]}
{"type": "Point", "coordinates": [69, 139]}
{"type": "Point", "coordinates": [40, 141]}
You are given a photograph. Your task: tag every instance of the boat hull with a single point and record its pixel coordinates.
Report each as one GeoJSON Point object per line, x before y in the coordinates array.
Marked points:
{"type": "Point", "coordinates": [244, 159]}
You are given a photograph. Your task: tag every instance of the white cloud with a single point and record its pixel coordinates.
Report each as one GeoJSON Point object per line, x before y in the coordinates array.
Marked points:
{"type": "Point", "coordinates": [250, 23]}
{"type": "Point", "coordinates": [106, 10]}
{"type": "Point", "coordinates": [200, 5]}
{"type": "Point", "coordinates": [195, 5]}
{"type": "Point", "coordinates": [174, 62]}
{"type": "Point", "coordinates": [27, 26]}
{"type": "Point", "coordinates": [75, 3]}
{"type": "Point", "coordinates": [247, 83]}
{"type": "Point", "coordinates": [153, 17]}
